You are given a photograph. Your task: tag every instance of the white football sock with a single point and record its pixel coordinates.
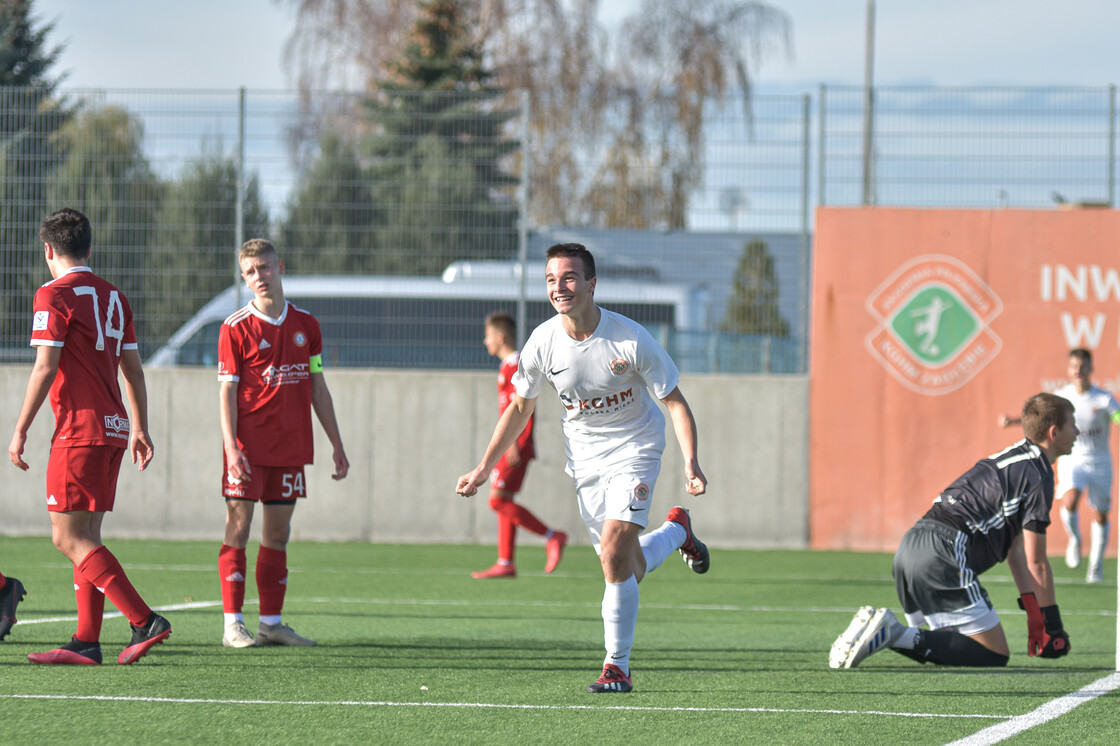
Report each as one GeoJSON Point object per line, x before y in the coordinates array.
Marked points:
{"type": "Point", "coordinates": [1069, 520]}
{"type": "Point", "coordinates": [907, 639]}
{"type": "Point", "coordinates": [270, 619]}
{"type": "Point", "coordinates": [660, 543]}
{"type": "Point", "coordinates": [1098, 542]}
{"type": "Point", "coordinates": [231, 618]}
{"type": "Point", "coordinates": [620, 617]}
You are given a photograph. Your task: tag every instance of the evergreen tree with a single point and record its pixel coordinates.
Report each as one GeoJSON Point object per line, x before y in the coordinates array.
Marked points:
{"type": "Point", "coordinates": [330, 225]}
{"type": "Point", "coordinates": [753, 305]}
{"type": "Point", "coordinates": [105, 174]}
{"type": "Point", "coordinates": [31, 115]}
{"type": "Point", "coordinates": [194, 256]}
{"type": "Point", "coordinates": [437, 151]}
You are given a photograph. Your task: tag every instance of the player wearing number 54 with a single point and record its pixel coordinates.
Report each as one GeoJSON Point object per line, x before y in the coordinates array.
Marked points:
{"type": "Point", "coordinates": [82, 333]}
{"type": "Point", "coordinates": [270, 369]}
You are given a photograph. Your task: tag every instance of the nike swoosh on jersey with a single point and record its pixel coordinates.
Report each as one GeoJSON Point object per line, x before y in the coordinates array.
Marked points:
{"type": "Point", "coordinates": [557, 372]}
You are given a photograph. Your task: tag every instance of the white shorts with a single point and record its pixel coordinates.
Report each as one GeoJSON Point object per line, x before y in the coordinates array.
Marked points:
{"type": "Point", "coordinates": [1094, 479]}
{"type": "Point", "coordinates": [619, 493]}
{"type": "Point", "coordinates": [971, 620]}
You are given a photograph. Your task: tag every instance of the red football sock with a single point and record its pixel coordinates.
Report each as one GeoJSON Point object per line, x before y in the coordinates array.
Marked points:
{"type": "Point", "coordinates": [272, 580]}
{"type": "Point", "coordinates": [507, 539]}
{"type": "Point", "coordinates": [519, 515]}
{"type": "Point", "coordinates": [3, 581]}
{"type": "Point", "coordinates": [231, 570]}
{"type": "Point", "coordinates": [91, 608]}
{"type": "Point", "coordinates": [101, 569]}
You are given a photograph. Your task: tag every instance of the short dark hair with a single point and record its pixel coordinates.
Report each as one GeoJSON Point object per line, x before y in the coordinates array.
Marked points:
{"type": "Point", "coordinates": [1082, 354]}
{"type": "Point", "coordinates": [68, 232]}
{"type": "Point", "coordinates": [504, 323]}
{"type": "Point", "coordinates": [1041, 412]}
{"type": "Point", "coordinates": [574, 249]}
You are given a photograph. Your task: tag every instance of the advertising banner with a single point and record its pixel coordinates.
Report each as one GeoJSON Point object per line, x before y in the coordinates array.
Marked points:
{"type": "Point", "coordinates": [927, 325]}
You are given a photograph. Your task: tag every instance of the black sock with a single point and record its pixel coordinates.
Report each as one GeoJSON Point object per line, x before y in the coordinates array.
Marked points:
{"type": "Point", "coordinates": [91, 650]}
{"type": "Point", "coordinates": [950, 648]}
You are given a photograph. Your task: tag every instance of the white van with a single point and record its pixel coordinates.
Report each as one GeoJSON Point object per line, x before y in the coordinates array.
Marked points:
{"type": "Point", "coordinates": [377, 321]}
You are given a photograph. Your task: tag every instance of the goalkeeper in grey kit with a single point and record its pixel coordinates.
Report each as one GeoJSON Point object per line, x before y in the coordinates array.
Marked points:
{"type": "Point", "coordinates": [998, 510]}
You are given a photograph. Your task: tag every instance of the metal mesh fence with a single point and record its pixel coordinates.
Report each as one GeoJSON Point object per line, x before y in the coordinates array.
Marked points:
{"type": "Point", "coordinates": [405, 218]}
{"type": "Point", "coordinates": [968, 147]}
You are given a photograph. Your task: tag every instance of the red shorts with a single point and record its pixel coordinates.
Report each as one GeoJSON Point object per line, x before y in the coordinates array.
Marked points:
{"type": "Point", "coordinates": [268, 484]}
{"type": "Point", "coordinates": [508, 478]}
{"type": "Point", "coordinates": [83, 478]}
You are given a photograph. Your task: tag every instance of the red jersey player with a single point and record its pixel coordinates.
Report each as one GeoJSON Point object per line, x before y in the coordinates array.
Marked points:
{"type": "Point", "coordinates": [82, 331]}
{"type": "Point", "coordinates": [506, 478]}
{"type": "Point", "coordinates": [270, 367]}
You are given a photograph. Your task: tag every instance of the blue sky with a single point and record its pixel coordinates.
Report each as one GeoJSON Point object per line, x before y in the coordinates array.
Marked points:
{"type": "Point", "coordinates": [212, 44]}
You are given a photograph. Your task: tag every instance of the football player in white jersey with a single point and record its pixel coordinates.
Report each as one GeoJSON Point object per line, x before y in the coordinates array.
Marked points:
{"type": "Point", "coordinates": [1088, 469]}
{"type": "Point", "coordinates": [604, 368]}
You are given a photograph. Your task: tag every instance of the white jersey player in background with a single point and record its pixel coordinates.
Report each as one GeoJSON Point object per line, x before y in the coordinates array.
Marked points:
{"type": "Point", "coordinates": [604, 367]}
{"type": "Point", "coordinates": [1088, 468]}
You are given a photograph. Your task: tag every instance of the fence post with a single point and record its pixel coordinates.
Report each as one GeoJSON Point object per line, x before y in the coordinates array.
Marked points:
{"type": "Point", "coordinates": [820, 144]}
{"type": "Point", "coordinates": [1112, 150]}
{"type": "Point", "coordinates": [523, 224]}
{"type": "Point", "coordinates": [239, 211]}
{"type": "Point", "coordinates": [806, 134]}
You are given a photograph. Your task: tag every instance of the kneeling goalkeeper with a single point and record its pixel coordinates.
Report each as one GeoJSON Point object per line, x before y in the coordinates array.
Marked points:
{"type": "Point", "coordinates": [998, 510]}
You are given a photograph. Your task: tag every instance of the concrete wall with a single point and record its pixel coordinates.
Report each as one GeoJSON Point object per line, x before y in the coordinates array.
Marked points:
{"type": "Point", "coordinates": [409, 435]}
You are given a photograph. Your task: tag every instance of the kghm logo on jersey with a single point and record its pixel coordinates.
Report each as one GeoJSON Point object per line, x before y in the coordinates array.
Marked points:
{"type": "Point", "coordinates": [619, 366]}
{"type": "Point", "coordinates": [116, 426]}
{"type": "Point", "coordinates": [933, 316]}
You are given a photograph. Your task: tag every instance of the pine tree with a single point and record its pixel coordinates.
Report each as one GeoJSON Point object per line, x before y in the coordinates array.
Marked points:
{"type": "Point", "coordinates": [32, 114]}
{"type": "Point", "coordinates": [753, 305]}
{"type": "Point", "coordinates": [437, 151]}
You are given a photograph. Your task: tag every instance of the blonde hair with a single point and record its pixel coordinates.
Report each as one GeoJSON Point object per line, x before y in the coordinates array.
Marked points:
{"type": "Point", "coordinates": [255, 247]}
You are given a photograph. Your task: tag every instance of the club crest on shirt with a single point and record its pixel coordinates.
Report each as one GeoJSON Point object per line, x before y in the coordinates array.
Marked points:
{"type": "Point", "coordinates": [641, 492]}
{"type": "Point", "coordinates": [619, 366]}
{"type": "Point", "coordinates": [300, 339]}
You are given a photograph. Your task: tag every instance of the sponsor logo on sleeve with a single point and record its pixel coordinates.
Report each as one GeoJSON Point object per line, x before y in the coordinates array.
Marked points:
{"type": "Point", "coordinates": [39, 323]}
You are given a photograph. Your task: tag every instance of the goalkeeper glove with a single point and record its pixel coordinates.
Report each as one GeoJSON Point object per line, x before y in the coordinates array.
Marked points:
{"type": "Point", "coordinates": [1056, 643]}
{"type": "Point", "coordinates": [1036, 627]}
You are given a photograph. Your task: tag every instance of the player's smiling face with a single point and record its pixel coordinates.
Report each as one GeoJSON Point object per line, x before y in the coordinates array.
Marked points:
{"type": "Point", "coordinates": [569, 291]}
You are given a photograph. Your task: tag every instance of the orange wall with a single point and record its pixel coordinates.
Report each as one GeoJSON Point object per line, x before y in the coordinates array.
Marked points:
{"type": "Point", "coordinates": [927, 325]}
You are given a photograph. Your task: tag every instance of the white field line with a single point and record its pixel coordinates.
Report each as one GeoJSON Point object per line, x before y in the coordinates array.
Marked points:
{"type": "Point", "coordinates": [999, 732]}
{"type": "Point", "coordinates": [1049, 711]}
{"type": "Point", "coordinates": [491, 706]}
{"type": "Point", "coordinates": [512, 603]}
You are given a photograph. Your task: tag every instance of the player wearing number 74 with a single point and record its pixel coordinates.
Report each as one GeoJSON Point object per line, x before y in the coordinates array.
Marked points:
{"type": "Point", "coordinates": [82, 333]}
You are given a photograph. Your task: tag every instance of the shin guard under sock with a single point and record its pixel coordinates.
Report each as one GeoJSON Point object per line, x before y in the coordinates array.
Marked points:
{"type": "Point", "coordinates": [103, 570]}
